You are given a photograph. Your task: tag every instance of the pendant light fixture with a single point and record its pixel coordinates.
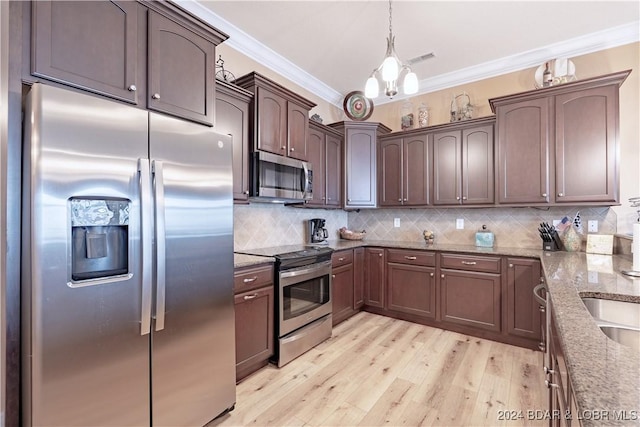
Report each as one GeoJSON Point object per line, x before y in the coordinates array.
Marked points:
{"type": "Point", "coordinates": [390, 71]}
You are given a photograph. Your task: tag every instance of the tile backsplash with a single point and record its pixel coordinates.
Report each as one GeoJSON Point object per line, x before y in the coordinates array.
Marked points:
{"type": "Point", "coordinates": [263, 225]}
{"type": "Point", "coordinates": [512, 227]}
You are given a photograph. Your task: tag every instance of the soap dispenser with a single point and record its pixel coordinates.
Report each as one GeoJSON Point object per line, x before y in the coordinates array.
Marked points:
{"type": "Point", "coordinates": [484, 238]}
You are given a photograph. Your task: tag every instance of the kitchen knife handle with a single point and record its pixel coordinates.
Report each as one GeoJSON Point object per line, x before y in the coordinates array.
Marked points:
{"type": "Point", "coordinates": [158, 186]}
{"type": "Point", "coordinates": [146, 246]}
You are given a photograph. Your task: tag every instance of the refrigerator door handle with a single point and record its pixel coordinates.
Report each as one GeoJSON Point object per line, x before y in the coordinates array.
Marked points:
{"type": "Point", "coordinates": [146, 244]}
{"type": "Point", "coordinates": [158, 180]}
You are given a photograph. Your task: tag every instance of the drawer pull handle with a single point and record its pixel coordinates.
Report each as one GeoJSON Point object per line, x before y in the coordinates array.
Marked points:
{"type": "Point", "coordinates": [410, 257]}
{"type": "Point", "coordinates": [549, 384]}
{"type": "Point", "coordinates": [341, 259]}
{"type": "Point", "coordinates": [248, 297]}
{"type": "Point", "coordinates": [469, 262]}
{"type": "Point", "coordinates": [253, 279]}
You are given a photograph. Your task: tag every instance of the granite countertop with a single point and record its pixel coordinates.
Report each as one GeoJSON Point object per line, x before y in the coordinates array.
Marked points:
{"type": "Point", "coordinates": [242, 260]}
{"type": "Point", "coordinates": [605, 375]}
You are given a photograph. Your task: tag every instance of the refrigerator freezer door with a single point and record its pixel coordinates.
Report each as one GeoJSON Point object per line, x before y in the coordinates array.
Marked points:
{"type": "Point", "coordinates": [193, 356]}
{"type": "Point", "coordinates": [85, 362]}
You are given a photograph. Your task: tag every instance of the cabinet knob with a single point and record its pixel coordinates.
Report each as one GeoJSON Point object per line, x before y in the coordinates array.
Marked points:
{"type": "Point", "coordinates": [132, 88]}
{"type": "Point", "coordinates": [549, 384]}
{"type": "Point", "coordinates": [457, 197]}
{"type": "Point", "coordinates": [405, 200]}
{"type": "Point", "coordinates": [380, 255]}
{"type": "Point", "coordinates": [399, 200]}
{"type": "Point", "coordinates": [155, 96]}
{"type": "Point", "coordinates": [284, 147]}
{"type": "Point", "coordinates": [464, 197]}
{"type": "Point", "coordinates": [292, 149]}
{"type": "Point", "coordinates": [348, 200]}
{"type": "Point", "coordinates": [560, 194]}
{"type": "Point", "coordinates": [442, 276]}
{"type": "Point", "coordinates": [510, 265]}
{"type": "Point", "coordinates": [246, 192]}
{"type": "Point", "coordinates": [544, 194]}
{"type": "Point", "coordinates": [541, 308]}
{"type": "Point", "coordinates": [431, 274]}
{"type": "Point", "coordinates": [548, 371]}
{"type": "Point", "coordinates": [333, 276]}
{"type": "Point", "coordinates": [328, 199]}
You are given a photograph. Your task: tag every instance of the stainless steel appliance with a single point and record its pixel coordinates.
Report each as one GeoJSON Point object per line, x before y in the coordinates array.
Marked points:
{"type": "Point", "coordinates": [316, 232]}
{"type": "Point", "coordinates": [303, 298]}
{"type": "Point", "coordinates": [128, 315]}
{"type": "Point", "coordinates": [279, 179]}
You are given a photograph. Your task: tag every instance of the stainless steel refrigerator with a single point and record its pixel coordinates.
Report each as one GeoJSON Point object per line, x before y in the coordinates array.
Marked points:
{"type": "Point", "coordinates": [128, 316]}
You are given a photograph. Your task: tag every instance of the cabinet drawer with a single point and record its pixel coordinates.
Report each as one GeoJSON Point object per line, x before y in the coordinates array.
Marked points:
{"type": "Point", "coordinates": [402, 256]}
{"type": "Point", "coordinates": [341, 258]}
{"type": "Point", "coordinates": [470, 262]}
{"type": "Point", "coordinates": [245, 279]}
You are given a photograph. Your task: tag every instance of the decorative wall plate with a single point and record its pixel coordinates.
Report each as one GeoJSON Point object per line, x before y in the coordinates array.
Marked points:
{"type": "Point", "coordinates": [357, 106]}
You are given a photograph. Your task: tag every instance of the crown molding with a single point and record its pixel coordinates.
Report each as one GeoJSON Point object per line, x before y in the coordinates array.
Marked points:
{"type": "Point", "coordinates": [249, 46]}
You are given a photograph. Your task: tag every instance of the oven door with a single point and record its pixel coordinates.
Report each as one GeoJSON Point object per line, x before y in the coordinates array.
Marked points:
{"type": "Point", "coordinates": [304, 295]}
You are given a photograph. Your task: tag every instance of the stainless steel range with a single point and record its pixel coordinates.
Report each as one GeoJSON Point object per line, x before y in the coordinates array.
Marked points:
{"type": "Point", "coordinates": [303, 298]}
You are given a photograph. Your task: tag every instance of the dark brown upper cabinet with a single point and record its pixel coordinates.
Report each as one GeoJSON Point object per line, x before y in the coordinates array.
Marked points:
{"type": "Point", "coordinates": [404, 171]}
{"type": "Point", "coordinates": [325, 156]}
{"type": "Point", "coordinates": [360, 152]}
{"type": "Point", "coordinates": [150, 54]}
{"type": "Point", "coordinates": [560, 144]}
{"type": "Point", "coordinates": [463, 163]}
{"type": "Point", "coordinates": [232, 118]}
{"type": "Point", "coordinates": [280, 117]}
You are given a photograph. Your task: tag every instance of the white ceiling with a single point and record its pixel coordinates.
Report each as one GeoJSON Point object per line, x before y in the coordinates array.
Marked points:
{"type": "Point", "coordinates": [331, 47]}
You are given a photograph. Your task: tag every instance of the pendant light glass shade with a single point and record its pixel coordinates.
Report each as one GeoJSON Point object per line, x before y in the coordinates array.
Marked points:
{"type": "Point", "coordinates": [410, 83]}
{"type": "Point", "coordinates": [390, 69]}
{"type": "Point", "coordinates": [371, 90]}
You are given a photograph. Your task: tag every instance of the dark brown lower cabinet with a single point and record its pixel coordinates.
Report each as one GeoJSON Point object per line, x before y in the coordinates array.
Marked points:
{"type": "Point", "coordinates": [523, 311]}
{"type": "Point", "coordinates": [470, 298]}
{"type": "Point", "coordinates": [358, 278]}
{"type": "Point", "coordinates": [254, 312]}
{"type": "Point", "coordinates": [411, 289]}
{"type": "Point", "coordinates": [374, 280]}
{"type": "Point", "coordinates": [342, 293]}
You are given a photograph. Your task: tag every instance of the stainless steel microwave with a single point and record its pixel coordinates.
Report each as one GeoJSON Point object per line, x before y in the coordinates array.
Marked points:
{"type": "Point", "coordinates": [280, 179]}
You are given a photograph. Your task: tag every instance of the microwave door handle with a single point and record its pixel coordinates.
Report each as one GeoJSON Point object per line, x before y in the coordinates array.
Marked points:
{"type": "Point", "coordinates": [158, 179]}
{"type": "Point", "coordinates": [146, 245]}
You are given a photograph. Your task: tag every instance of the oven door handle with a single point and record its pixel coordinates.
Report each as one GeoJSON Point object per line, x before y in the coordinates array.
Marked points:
{"type": "Point", "coordinates": [302, 274]}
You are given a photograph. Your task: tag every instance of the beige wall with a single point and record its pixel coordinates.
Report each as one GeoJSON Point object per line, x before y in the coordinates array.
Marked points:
{"type": "Point", "coordinates": [591, 65]}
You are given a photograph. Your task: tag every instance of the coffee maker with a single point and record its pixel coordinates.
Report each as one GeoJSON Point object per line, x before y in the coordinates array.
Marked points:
{"type": "Point", "coordinates": [317, 233]}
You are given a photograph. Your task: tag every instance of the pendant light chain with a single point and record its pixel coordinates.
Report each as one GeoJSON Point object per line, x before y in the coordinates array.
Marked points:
{"type": "Point", "coordinates": [390, 25]}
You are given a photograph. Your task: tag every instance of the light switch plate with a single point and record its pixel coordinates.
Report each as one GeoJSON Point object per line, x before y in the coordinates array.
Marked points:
{"type": "Point", "coordinates": [396, 222]}
{"type": "Point", "coordinates": [593, 226]}
{"type": "Point", "coordinates": [460, 224]}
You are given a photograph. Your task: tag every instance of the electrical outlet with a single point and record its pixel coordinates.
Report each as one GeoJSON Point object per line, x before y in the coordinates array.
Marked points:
{"type": "Point", "coordinates": [460, 224]}
{"type": "Point", "coordinates": [593, 226]}
{"type": "Point", "coordinates": [396, 222]}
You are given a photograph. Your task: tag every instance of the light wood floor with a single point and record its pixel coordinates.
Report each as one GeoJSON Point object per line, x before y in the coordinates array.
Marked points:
{"type": "Point", "coordinates": [378, 371]}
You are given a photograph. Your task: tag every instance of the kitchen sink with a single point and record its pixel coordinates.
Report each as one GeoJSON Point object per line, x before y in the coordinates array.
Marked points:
{"type": "Point", "coordinates": [619, 320]}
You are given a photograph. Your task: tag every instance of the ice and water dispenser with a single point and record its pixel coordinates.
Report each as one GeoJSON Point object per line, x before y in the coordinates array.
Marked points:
{"type": "Point", "coordinates": [100, 238]}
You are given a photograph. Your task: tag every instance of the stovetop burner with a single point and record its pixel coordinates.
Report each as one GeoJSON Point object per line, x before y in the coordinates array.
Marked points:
{"type": "Point", "coordinates": [293, 255]}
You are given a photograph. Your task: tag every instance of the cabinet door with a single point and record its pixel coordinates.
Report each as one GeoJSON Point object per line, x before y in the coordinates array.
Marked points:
{"type": "Point", "coordinates": [471, 299]}
{"type": "Point", "coordinates": [316, 156]}
{"type": "Point", "coordinates": [477, 165]}
{"type": "Point", "coordinates": [523, 152]}
{"type": "Point", "coordinates": [297, 128]}
{"type": "Point", "coordinates": [374, 277]}
{"type": "Point", "coordinates": [254, 329]}
{"type": "Point", "coordinates": [416, 171]}
{"type": "Point", "coordinates": [181, 71]}
{"type": "Point", "coordinates": [333, 160]}
{"type": "Point", "coordinates": [390, 192]}
{"type": "Point", "coordinates": [358, 278]}
{"type": "Point", "coordinates": [360, 168]}
{"type": "Point", "coordinates": [446, 168]}
{"type": "Point", "coordinates": [342, 293]}
{"type": "Point", "coordinates": [272, 122]}
{"type": "Point", "coordinates": [523, 311]}
{"type": "Point", "coordinates": [232, 118]}
{"type": "Point", "coordinates": [586, 145]}
{"type": "Point", "coordinates": [92, 45]}
{"type": "Point", "coordinates": [411, 289]}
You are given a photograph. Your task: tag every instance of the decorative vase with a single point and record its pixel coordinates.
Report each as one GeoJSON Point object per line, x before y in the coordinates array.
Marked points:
{"type": "Point", "coordinates": [572, 240]}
